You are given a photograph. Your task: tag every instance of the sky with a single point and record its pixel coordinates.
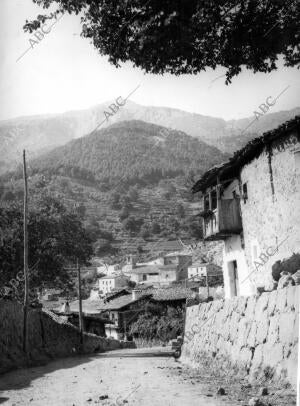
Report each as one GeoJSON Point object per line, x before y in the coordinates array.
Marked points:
{"type": "Point", "coordinates": [63, 72]}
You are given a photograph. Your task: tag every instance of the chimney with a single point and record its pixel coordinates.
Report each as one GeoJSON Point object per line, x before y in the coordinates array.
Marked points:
{"type": "Point", "coordinates": [134, 294]}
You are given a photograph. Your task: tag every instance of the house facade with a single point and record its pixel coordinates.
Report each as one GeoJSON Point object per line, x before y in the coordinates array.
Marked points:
{"type": "Point", "coordinates": [252, 203]}
{"type": "Point", "coordinates": [162, 271]}
{"type": "Point", "coordinates": [108, 283]}
{"type": "Point", "coordinates": [202, 269]}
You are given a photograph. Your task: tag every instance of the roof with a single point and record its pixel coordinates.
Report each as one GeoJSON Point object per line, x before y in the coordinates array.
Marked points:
{"type": "Point", "coordinates": [178, 254]}
{"type": "Point", "coordinates": [148, 269]}
{"type": "Point", "coordinates": [113, 276]}
{"type": "Point", "coordinates": [171, 293]}
{"type": "Point", "coordinates": [174, 245]}
{"type": "Point", "coordinates": [121, 302]}
{"type": "Point", "coordinates": [169, 267]}
{"type": "Point", "coordinates": [88, 306]}
{"type": "Point", "coordinates": [245, 155]}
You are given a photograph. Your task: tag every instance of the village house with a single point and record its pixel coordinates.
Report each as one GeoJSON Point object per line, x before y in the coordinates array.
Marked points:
{"type": "Point", "coordinates": [251, 203]}
{"type": "Point", "coordinates": [121, 311]}
{"type": "Point", "coordinates": [108, 270]}
{"type": "Point", "coordinates": [108, 283]}
{"type": "Point", "coordinates": [164, 270]}
{"type": "Point", "coordinates": [203, 269]}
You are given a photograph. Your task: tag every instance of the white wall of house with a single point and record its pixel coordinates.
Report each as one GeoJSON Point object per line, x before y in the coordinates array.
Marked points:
{"type": "Point", "coordinates": [107, 284]}
{"type": "Point", "coordinates": [270, 219]}
{"type": "Point", "coordinates": [236, 280]}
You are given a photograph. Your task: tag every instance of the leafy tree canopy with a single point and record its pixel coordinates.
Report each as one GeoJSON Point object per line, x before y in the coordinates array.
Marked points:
{"type": "Point", "coordinates": [56, 238]}
{"type": "Point", "coordinates": [186, 37]}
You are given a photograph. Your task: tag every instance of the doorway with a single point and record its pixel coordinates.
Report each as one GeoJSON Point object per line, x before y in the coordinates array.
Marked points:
{"type": "Point", "coordinates": [233, 278]}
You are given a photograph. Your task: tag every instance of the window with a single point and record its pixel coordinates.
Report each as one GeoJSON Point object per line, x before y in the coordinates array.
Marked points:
{"type": "Point", "coordinates": [214, 199]}
{"type": "Point", "coordinates": [297, 159]}
{"type": "Point", "coordinates": [206, 202]}
{"type": "Point", "coordinates": [245, 192]}
{"type": "Point", "coordinates": [144, 277]}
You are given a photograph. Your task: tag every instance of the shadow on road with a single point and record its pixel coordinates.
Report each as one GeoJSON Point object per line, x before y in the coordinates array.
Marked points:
{"type": "Point", "coordinates": [22, 378]}
{"type": "Point", "coordinates": [136, 354]}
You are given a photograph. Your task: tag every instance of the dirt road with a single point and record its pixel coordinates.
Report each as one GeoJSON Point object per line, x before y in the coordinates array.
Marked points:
{"type": "Point", "coordinates": [146, 377]}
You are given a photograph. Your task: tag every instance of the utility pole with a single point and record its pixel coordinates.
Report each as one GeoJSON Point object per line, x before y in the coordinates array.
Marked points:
{"type": "Point", "coordinates": [26, 277]}
{"type": "Point", "coordinates": [80, 305]}
{"type": "Point", "coordinates": [207, 285]}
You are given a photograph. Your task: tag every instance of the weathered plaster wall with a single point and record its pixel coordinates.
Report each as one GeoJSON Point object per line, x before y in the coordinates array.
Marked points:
{"type": "Point", "coordinates": [255, 334]}
{"type": "Point", "coordinates": [49, 337]}
{"type": "Point", "coordinates": [269, 218]}
{"type": "Point", "coordinates": [233, 251]}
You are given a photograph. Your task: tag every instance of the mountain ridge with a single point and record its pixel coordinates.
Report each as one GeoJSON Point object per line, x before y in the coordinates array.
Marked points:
{"type": "Point", "coordinates": [38, 133]}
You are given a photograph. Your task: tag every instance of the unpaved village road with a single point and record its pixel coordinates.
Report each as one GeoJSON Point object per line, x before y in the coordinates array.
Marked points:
{"type": "Point", "coordinates": [139, 377]}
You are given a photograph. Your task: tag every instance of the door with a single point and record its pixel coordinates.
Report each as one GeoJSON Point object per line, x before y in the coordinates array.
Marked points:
{"type": "Point", "coordinates": [233, 278]}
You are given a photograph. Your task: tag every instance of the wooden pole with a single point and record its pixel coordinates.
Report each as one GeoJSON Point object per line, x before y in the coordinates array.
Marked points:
{"type": "Point", "coordinates": [80, 305]}
{"type": "Point", "coordinates": [207, 284]}
{"type": "Point", "coordinates": [26, 278]}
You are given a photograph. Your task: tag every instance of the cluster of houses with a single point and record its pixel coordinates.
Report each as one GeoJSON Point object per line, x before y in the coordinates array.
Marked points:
{"type": "Point", "coordinates": [166, 270]}
{"type": "Point", "coordinates": [251, 203]}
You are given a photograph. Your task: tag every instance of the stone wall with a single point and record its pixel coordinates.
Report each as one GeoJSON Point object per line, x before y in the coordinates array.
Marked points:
{"type": "Point", "coordinates": [49, 337]}
{"type": "Point", "coordinates": [256, 335]}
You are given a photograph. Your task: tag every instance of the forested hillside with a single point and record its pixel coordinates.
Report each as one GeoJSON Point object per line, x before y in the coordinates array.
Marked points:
{"type": "Point", "coordinates": [130, 183]}
{"type": "Point", "coordinates": [131, 152]}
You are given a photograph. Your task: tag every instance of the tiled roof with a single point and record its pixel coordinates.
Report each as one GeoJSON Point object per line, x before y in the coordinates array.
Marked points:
{"type": "Point", "coordinates": [146, 269]}
{"type": "Point", "coordinates": [88, 306]}
{"type": "Point", "coordinates": [172, 293]}
{"type": "Point", "coordinates": [169, 267]}
{"type": "Point", "coordinates": [246, 154]}
{"type": "Point", "coordinates": [120, 302]}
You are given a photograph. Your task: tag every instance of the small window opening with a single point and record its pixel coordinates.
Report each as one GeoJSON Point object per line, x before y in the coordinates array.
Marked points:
{"type": "Point", "coordinates": [245, 192]}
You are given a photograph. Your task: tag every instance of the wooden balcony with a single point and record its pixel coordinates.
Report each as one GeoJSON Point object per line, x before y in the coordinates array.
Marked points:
{"type": "Point", "coordinates": [224, 221]}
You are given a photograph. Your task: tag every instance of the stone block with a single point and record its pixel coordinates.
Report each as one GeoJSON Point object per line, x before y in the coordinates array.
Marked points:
{"type": "Point", "coordinates": [251, 340]}
{"type": "Point", "coordinates": [273, 333]}
{"type": "Point", "coordinates": [261, 305]}
{"type": "Point", "coordinates": [291, 297]}
{"type": "Point", "coordinates": [262, 328]}
{"type": "Point", "coordinates": [272, 354]}
{"type": "Point", "coordinates": [286, 326]}
{"type": "Point", "coordinates": [251, 303]}
{"type": "Point", "coordinates": [281, 302]}
{"type": "Point", "coordinates": [257, 360]}
{"type": "Point", "coordinates": [272, 302]}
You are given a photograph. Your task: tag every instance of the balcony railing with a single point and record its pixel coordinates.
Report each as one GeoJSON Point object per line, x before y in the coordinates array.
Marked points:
{"type": "Point", "coordinates": [224, 221]}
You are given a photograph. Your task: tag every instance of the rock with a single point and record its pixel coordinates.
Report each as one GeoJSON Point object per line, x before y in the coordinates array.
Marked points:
{"type": "Point", "coordinates": [221, 392]}
{"type": "Point", "coordinates": [296, 277]}
{"type": "Point", "coordinates": [255, 402]}
{"type": "Point", "coordinates": [285, 280]}
{"type": "Point", "coordinates": [103, 397]}
{"type": "Point", "coordinates": [263, 391]}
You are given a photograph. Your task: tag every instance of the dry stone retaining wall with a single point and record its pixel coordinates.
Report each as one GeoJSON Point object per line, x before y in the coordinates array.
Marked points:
{"type": "Point", "coordinates": [257, 335]}
{"type": "Point", "coordinates": [49, 337]}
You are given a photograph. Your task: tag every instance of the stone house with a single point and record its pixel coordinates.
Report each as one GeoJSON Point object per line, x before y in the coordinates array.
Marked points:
{"type": "Point", "coordinates": [121, 311]}
{"type": "Point", "coordinates": [251, 202]}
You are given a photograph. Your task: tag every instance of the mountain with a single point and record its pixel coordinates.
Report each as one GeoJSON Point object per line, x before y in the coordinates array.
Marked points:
{"type": "Point", "coordinates": [41, 133]}
{"type": "Point", "coordinates": [131, 152]}
{"type": "Point", "coordinates": [128, 181]}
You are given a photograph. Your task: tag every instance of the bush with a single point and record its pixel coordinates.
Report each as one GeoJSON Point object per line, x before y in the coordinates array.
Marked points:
{"type": "Point", "coordinates": [290, 265]}
{"type": "Point", "coordinates": [158, 323]}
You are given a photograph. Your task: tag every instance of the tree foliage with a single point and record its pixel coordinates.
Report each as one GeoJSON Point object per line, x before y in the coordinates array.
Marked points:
{"type": "Point", "coordinates": [158, 323]}
{"type": "Point", "coordinates": [186, 37]}
{"type": "Point", "coordinates": [56, 238]}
